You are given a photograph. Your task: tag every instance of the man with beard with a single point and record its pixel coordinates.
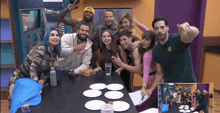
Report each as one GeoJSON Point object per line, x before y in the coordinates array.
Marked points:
{"type": "Point", "coordinates": [201, 103]}
{"type": "Point", "coordinates": [88, 16]}
{"type": "Point", "coordinates": [110, 24]}
{"type": "Point", "coordinates": [172, 53]}
{"type": "Point", "coordinates": [76, 50]}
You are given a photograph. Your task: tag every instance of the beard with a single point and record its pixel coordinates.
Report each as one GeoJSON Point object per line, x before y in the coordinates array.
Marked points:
{"type": "Point", "coordinates": [163, 37]}
{"type": "Point", "coordinates": [88, 18]}
{"type": "Point", "coordinates": [82, 37]}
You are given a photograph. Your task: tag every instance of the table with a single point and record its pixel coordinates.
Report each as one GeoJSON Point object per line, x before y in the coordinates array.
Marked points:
{"type": "Point", "coordinates": [68, 97]}
{"type": "Point", "coordinates": [175, 109]}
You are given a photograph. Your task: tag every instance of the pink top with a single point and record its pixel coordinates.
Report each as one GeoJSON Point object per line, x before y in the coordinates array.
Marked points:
{"type": "Point", "coordinates": [147, 64]}
{"type": "Point", "coordinates": [144, 28]}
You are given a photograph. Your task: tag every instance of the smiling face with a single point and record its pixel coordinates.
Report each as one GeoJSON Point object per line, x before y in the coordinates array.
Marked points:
{"type": "Point", "coordinates": [161, 30]}
{"type": "Point", "coordinates": [83, 32]}
{"type": "Point", "coordinates": [125, 42]}
{"type": "Point", "coordinates": [54, 38]}
{"type": "Point", "coordinates": [109, 18]}
{"type": "Point", "coordinates": [106, 38]}
{"type": "Point", "coordinates": [125, 24]}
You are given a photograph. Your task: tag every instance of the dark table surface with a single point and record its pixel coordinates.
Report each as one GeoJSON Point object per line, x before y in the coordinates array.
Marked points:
{"type": "Point", "coordinates": [175, 109]}
{"type": "Point", "coordinates": [67, 97]}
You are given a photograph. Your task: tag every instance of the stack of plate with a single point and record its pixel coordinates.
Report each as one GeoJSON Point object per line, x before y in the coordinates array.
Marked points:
{"type": "Point", "coordinates": [114, 94]}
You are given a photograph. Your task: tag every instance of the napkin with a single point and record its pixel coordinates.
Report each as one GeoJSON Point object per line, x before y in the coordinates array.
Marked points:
{"type": "Point", "coordinates": [136, 98]}
{"type": "Point", "coordinates": [25, 91]}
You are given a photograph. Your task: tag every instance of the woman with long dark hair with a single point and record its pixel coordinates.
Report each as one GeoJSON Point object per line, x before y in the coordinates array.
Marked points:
{"type": "Point", "coordinates": [39, 60]}
{"type": "Point", "coordinates": [145, 50]}
{"type": "Point", "coordinates": [108, 49]}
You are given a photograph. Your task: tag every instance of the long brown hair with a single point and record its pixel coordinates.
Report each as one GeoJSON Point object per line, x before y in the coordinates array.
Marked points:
{"type": "Point", "coordinates": [148, 34]}
{"type": "Point", "coordinates": [112, 45]}
{"type": "Point", "coordinates": [127, 16]}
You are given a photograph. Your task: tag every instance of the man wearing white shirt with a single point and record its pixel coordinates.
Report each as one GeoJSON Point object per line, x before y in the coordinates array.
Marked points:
{"type": "Point", "coordinates": [76, 50]}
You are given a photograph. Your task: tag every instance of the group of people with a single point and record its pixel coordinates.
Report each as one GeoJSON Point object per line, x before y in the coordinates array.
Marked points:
{"type": "Point", "coordinates": [185, 96]}
{"type": "Point", "coordinates": [89, 46]}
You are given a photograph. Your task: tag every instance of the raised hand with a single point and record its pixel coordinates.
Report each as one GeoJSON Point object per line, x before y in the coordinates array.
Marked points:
{"type": "Point", "coordinates": [72, 6]}
{"type": "Point", "coordinates": [118, 71]}
{"type": "Point", "coordinates": [80, 47]}
{"type": "Point", "coordinates": [135, 21]}
{"type": "Point", "coordinates": [117, 60]}
{"type": "Point", "coordinates": [186, 31]}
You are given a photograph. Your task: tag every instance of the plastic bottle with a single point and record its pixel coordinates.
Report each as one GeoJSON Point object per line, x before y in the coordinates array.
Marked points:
{"type": "Point", "coordinates": [59, 77]}
{"type": "Point", "coordinates": [26, 109]}
{"type": "Point", "coordinates": [53, 77]}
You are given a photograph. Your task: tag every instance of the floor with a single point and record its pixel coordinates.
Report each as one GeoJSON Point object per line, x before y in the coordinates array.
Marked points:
{"type": "Point", "coordinates": [4, 105]}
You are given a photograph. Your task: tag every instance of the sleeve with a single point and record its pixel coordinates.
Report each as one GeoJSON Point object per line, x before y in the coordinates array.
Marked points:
{"type": "Point", "coordinates": [144, 28]}
{"type": "Point", "coordinates": [147, 65]}
{"type": "Point", "coordinates": [46, 75]}
{"type": "Point", "coordinates": [85, 61]}
{"type": "Point", "coordinates": [37, 55]}
{"type": "Point", "coordinates": [66, 49]}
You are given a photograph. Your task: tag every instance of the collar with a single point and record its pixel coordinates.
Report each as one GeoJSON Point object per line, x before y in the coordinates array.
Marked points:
{"type": "Point", "coordinates": [114, 26]}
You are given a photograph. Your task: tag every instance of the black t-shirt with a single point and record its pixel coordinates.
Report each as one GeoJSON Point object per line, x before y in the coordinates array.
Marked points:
{"type": "Point", "coordinates": [202, 100]}
{"type": "Point", "coordinates": [175, 58]}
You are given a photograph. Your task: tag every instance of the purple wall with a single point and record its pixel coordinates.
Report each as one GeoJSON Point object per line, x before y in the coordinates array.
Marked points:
{"type": "Point", "coordinates": [204, 87]}
{"type": "Point", "coordinates": [180, 11]}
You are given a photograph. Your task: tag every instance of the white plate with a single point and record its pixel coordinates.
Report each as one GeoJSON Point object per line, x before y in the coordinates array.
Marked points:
{"type": "Point", "coordinates": [94, 104]}
{"type": "Point", "coordinates": [196, 112]}
{"type": "Point", "coordinates": [186, 105]}
{"type": "Point", "coordinates": [186, 108]}
{"type": "Point", "coordinates": [182, 110]}
{"type": "Point", "coordinates": [115, 86]}
{"type": "Point", "coordinates": [98, 86]}
{"type": "Point", "coordinates": [114, 94]}
{"type": "Point", "coordinates": [120, 106]}
{"type": "Point", "coordinates": [92, 93]}
{"type": "Point", "coordinates": [187, 111]}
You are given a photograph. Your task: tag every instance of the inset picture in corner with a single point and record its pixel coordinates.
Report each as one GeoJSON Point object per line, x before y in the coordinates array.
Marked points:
{"type": "Point", "coordinates": [185, 98]}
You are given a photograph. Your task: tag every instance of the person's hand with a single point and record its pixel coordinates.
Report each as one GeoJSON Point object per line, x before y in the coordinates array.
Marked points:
{"type": "Point", "coordinates": [72, 6]}
{"type": "Point", "coordinates": [117, 60]}
{"type": "Point", "coordinates": [135, 44]}
{"type": "Point", "coordinates": [185, 30]}
{"type": "Point", "coordinates": [72, 73]}
{"type": "Point", "coordinates": [143, 91]}
{"type": "Point", "coordinates": [205, 92]}
{"type": "Point", "coordinates": [149, 92]}
{"type": "Point", "coordinates": [118, 71]}
{"type": "Point", "coordinates": [98, 68]}
{"type": "Point", "coordinates": [41, 82]}
{"type": "Point", "coordinates": [80, 47]}
{"type": "Point", "coordinates": [135, 21]}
